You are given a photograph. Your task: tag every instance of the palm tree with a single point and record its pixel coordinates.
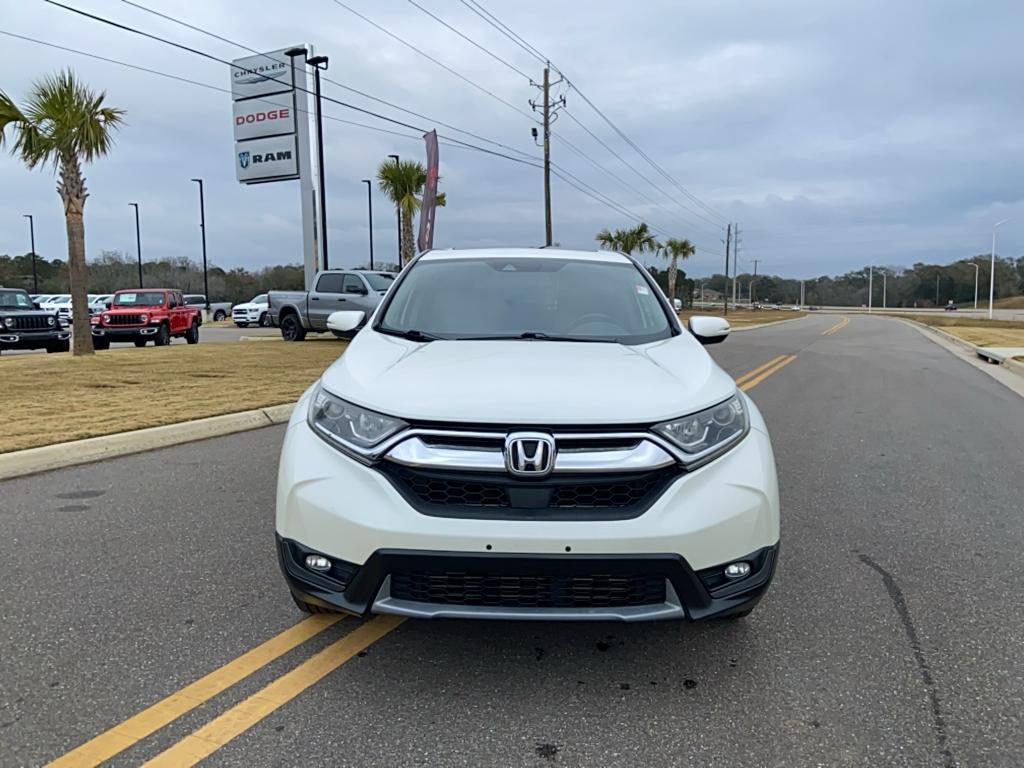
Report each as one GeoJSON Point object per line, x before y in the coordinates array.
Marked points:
{"type": "Point", "coordinates": [403, 183]}
{"type": "Point", "coordinates": [676, 249]}
{"type": "Point", "coordinates": [64, 123]}
{"type": "Point", "coordinates": [638, 238]}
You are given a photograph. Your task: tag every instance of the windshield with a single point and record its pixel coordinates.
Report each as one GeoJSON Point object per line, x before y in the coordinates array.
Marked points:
{"type": "Point", "coordinates": [261, 299]}
{"type": "Point", "coordinates": [379, 281]}
{"type": "Point", "coordinates": [15, 300]}
{"type": "Point", "coordinates": [532, 298]}
{"type": "Point", "coordinates": [139, 299]}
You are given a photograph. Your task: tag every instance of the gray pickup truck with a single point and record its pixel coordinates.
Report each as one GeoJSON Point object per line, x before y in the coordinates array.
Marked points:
{"type": "Point", "coordinates": [297, 313]}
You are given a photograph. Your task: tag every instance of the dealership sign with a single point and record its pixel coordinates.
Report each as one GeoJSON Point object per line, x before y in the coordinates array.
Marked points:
{"type": "Point", "coordinates": [266, 159]}
{"type": "Point", "coordinates": [267, 116]}
{"type": "Point", "coordinates": [261, 75]}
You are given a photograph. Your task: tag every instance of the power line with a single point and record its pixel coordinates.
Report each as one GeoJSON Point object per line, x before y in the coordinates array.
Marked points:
{"type": "Point", "coordinates": [469, 40]}
{"type": "Point", "coordinates": [439, 63]}
{"type": "Point", "coordinates": [210, 56]}
{"type": "Point", "coordinates": [497, 23]}
{"type": "Point", "coordinates": [326, 79]}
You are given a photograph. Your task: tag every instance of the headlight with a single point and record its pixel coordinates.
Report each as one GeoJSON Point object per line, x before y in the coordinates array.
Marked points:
{"type": "Point", "coordinates": [708, 434]}
{"type": "Point", "coordinates": [51, 320]}
{"type": "Point", "coordinates": [3, 322]}
{"type": "Point", "coordinates": [145, 317]}
{"type": "Point", "coordinates": [350, 427]}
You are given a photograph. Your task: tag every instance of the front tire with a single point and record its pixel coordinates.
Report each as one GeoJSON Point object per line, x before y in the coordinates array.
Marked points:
{"type": "Point", "coordinates": [242, 325]}
{"type": "Point", "coordinates": [140, 342]}
{"type": "Point", "coordinates": [291, 328]}
{"type": "Point", "coordinates": [163, 336]}
{"type": "Point", "coordinates": [100, 344]}
{"type": "Point", "coordinates": [264, 320]}
{"type": "Point", "coordinates": [192, 334]}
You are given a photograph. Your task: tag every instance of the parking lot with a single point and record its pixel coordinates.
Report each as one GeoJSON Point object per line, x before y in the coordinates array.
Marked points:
{"type": "Point", "coordinates": [137, 589]}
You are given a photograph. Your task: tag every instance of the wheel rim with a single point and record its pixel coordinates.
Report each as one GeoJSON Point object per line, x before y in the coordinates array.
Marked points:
{"type": "Point", "coordinates": [288, 329]}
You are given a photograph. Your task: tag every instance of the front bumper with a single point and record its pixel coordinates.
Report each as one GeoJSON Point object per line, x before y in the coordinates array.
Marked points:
{"type": "Point", "coordinates": [526, 587]}
{"type": "Point", "coordinates": [723, 512]}
{"type": "Point", "coordinates": [31, 340]}
{"type": "Point", "coordinates": [124, 333]}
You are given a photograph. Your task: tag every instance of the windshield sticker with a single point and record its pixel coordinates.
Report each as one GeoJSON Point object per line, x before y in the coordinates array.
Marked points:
{"type": "Point", "coordinates": [642, 290]}
{"type": "Point", "coordinates": [127, 298]}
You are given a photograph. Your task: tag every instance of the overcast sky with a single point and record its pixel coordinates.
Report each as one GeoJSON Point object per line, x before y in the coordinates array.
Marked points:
{"type": "Point", "coordinates": [835, 133]}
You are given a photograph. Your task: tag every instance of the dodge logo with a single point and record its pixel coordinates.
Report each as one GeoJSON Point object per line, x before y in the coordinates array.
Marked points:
{"type": "Point", "coordinates": [529, 454]}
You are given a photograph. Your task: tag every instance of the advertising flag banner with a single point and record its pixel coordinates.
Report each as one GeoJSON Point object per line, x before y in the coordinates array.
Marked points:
{"type": "Point", "coordinates": [426, 238]}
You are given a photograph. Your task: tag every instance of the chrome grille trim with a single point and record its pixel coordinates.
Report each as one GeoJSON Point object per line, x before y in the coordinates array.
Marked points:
{"type": "Point", "coordinates": [643, 456]}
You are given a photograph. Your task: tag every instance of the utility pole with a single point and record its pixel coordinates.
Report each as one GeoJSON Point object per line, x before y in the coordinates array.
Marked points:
{"type": "Point", "coordinates": [735, 262]}
{"type": "Point", "coordinates": [752, 281]}
{"type": "Point", "coordinates": [138, 239]}
{"type": "Point", "coordinates": [202, 228]}
{"type": "Point", "coordinates": [35, 275]}
{"type": "Point", "coordinates": [549, 113]}
{"type": "Point", "coordinates": [725, 288]}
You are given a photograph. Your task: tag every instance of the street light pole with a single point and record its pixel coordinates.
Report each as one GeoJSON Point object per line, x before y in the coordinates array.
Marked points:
{"type": "Point", "coordinates": [871, 276]}
{"type": "Point", "coordinates": [138, 240]}
{"type": "Point", "coordinates": [369, 207]}
{"type": "Point", "coordinates": [32, 235]}
{"type": "Point", "coordinates": [884, 282]}
{"type": "Point", "coordinates": [976, 271]}
{"type": "Point", "coordinates": [992, 276]}
{"type": "Point", "coordinates": [318, 63]}
{"type": "Point", "coordinates": [398, 213]}
{"type": "Point", "coordinates": [202, 228]}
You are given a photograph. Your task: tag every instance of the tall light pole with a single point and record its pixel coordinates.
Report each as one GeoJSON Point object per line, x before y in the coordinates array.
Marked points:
{"type": "Point", "coordinates": [398, 213]}
{"type": "Point", "coordinates": [992, 276]}
{"type": "Point", "coordinates": [884, 282]}
{"type": "Point", "coordinates": [936, 288]}
{"type": "Point", "coordinates": [871, 277]}
{"type": "Point", "coordinates": [319, 63]}
{"type": "Point", "coordinates": [202, 228]}
{"type": "Point", "coordinates": [32, 236]}
{"type": "Point", "coordinates": [138, 240]}
{"type": "Point", "coordinates": [976, 271]}
{"type": "Point", "coordinates": [369, 206]}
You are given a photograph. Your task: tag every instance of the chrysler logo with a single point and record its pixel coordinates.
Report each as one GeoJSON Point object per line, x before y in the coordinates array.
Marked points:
{"type": "Point", "coordinates": [529, 454]}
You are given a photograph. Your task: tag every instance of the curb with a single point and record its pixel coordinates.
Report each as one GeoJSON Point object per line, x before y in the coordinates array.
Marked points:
{"type": "Point", "coordinates": [47, 457]}
{"type": "Point", "coordinates": [1007, 363]}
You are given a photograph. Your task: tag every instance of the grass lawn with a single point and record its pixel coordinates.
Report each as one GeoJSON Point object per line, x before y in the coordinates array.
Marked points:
{"type": "Point", "coordinates": [56, 398]}
{"type": "Point", "coordinates": [740, 317]}
{"type": "Point", "coordinates": [976, 330]}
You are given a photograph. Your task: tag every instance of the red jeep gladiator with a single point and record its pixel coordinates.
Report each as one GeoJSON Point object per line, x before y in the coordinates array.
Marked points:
{"type": "Point", "coordinates": [143, 314]}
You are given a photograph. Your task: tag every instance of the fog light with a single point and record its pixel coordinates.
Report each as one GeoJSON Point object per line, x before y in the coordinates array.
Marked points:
{"type": "Point", "coordinates": [319, 563]}
{"type": "Point", "coordinates": [732, 570]}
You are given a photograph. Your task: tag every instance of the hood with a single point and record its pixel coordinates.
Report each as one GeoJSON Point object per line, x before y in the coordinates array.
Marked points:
{"type": "Point", "coordinates": [248, 305]}
{"type": "Point", "coordinates": [528, 382]}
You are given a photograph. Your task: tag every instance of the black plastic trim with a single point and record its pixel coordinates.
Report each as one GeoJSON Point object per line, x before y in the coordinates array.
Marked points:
{"type": "Point", "coordinates": [358, 596]}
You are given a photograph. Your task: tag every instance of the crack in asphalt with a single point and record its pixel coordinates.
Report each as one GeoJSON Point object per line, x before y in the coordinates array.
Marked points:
{"type": "Point", "coordinates": [900, 603]}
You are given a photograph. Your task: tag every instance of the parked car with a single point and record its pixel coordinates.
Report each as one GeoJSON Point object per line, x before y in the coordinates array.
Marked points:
{"type": "Point", "coordinates": [25, 326]}
{"type": "Point", "coordinates": [677, 304]}
{"type": "Point", "coordinates": [39, 298]}
{"type": "Point", "coordinates": [251, 312]}
{"type": "Point", "coordinates": [298, 312]}
{"type": "Point", "coordinates": [219, 310]}
{"type": "Point", "coordinates": [141, 315]}
{"type": "Point", "coordinates": [472, 454]}
{"type": "Point", "coordinates": [99, 301]}
{"type": "Point", "coordinates": [59, 303]}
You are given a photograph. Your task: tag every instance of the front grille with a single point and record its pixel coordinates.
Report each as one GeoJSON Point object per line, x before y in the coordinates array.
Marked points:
{"type": "Point", "coordinates": [29, 322]}
{"type": "Point", "coordinates": [527, 590]}
{"type": "Point", "coordinates": [497, 495]}
{"type": "Point", "coordinates": [123, 320]}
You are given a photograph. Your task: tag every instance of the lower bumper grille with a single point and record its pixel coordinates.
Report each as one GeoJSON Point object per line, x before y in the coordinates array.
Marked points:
{"type": "Point", "coordinates": [528, 591]}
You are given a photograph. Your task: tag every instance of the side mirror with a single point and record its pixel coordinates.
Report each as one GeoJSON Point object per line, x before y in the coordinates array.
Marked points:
{"type": "Point", "coordinates": [36, 305]}
{"type": "Point", "coordinates": [708, 329]}
{"type": "Point", "coordinates": [343, 322]}
{"type": "Point", "coordinates": [356, 291]}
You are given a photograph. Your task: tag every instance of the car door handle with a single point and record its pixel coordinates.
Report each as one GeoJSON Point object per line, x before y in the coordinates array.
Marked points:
{"type": "Point", "coordinates": [314, 298]}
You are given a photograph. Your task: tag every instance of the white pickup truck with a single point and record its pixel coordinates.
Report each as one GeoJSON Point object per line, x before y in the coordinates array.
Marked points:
{"type": "Point", "coordinates": [297, 313]}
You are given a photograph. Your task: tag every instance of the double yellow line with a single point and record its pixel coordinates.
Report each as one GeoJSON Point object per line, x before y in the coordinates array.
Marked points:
{"type": "Point", "coordinates": [838, 326]}
{"type": "Point", "coordinates": [207, 739]}
{"type": "Point", "coordinates": [752, 378]}
{"type": "Point", "coordinates": [218, 732]}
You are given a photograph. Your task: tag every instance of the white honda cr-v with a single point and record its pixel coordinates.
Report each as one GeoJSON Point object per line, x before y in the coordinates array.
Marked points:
{"type": "Point", "coordinates": [527, 434]}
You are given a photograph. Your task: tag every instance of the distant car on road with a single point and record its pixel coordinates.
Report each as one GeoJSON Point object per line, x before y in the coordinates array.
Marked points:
{"type": "Point", "coordinates": [297, 313]}
{"type": "Point", "coordinates": [157, 314]}
{"type": "Point", "coordinates": [677, 305]}
{"type": "Point", "coordinates": [950, 306]}
{"type": "Point", "coordinates": [219, 310]}
{"type": "Point", "coordinates": [24, 326]}
{"type": "Point", "coordinates": [251, 312]}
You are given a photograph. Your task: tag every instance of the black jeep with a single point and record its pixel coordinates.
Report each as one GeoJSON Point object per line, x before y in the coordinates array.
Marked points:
{"type": "Point", "coordinates": [24, 326]}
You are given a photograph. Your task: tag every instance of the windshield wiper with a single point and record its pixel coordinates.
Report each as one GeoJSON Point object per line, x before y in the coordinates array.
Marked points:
{"type": "Point", "coordinates": [535, 336]}
{"type": "Point", "coordinates": [412, 334]}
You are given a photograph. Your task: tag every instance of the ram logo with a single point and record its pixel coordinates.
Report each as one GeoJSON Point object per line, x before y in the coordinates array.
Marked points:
{"type": "Point", "coordinates": [243, 159]}
{"type": "Point", "coordinates": [270, 157]}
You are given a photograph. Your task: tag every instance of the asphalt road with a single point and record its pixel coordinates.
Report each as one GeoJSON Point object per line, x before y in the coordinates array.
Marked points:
{"type": "Point", "coordinates": [892, 636]}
